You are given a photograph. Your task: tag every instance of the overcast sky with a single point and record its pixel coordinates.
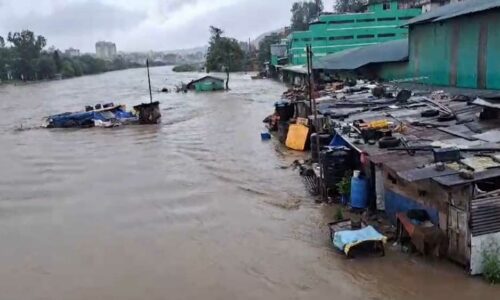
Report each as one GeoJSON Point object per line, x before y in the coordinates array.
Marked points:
{"type": "Point", "coordinates": [140, 25]}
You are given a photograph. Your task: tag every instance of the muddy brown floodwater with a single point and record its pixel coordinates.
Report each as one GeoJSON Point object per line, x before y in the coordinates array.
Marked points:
{"type": "Point", "coordinates": [195, 208]}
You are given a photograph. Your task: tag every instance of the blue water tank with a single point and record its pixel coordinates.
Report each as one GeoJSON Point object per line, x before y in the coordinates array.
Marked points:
{"type": "Point", "coordinates": [359, 192]}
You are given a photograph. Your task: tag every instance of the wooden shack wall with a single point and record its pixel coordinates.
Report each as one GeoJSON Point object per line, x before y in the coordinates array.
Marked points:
{"type": "Point", "coordinates": [447, 207]}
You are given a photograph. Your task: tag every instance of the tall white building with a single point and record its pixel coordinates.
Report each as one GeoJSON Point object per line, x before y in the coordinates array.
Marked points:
{"type": "Point", "coordinates": [105, 50]}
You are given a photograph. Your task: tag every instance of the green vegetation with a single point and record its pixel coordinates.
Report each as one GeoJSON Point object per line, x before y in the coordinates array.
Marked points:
{"type": "Point", "coordinates": [491, 264]}
{"type": "Point", "coordinates": [24, 59]}
{"type": "Point", "coordinates": [344, 186]}
{"type": "Point", "coordinates": [186, 68]}
{"type": "Point", "coordinates": [305, 12]}
{"type": "Point", "coordinates": [224, 53]}
{"type": "Point", "coordinates": [339, 214]}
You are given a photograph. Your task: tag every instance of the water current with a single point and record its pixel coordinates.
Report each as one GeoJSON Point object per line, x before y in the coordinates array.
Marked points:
{"type": "Point", "coordinates": [194, 208]}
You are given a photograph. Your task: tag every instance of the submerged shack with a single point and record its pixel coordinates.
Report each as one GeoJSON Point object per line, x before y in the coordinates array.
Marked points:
{"type": "Point", "coordinates": [206, 84]}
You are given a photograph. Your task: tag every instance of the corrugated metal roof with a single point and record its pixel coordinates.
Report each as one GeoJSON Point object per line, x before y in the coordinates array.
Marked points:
{"type": "Point", "coordinates": [455, 10]}
{"type": "Point", "coordinates": [352, 59]}
{"type": "Point", "coordinates": [418, 132]}
{"type": "Point", "coordinates": [485, 215]}
{"type": "Point", "coordinates": [296, 69]}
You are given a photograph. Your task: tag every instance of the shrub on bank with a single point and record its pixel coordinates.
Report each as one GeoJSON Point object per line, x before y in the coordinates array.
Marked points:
{"type": "Point", "coordinates": [491, 264]}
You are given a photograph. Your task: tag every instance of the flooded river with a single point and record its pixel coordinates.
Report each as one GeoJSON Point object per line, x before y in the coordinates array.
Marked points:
{"type": "Point", "coordinates": [195, 208]}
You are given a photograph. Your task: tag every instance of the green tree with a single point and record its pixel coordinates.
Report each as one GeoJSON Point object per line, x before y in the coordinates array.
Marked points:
{"type": "Point", "coordinates": [91, 65]}
{"type": "Point", "coordinates": [67, 69]}
{"type": "Point", "coordinates": [57, 60]}
{"type": "Point", "coordinates": [46, 68]}
{"type": "Point", "coordinates": [223, 53]}
{"type": "Point", "coordinates": [27, 48]}
{"type": "Point", "coordinates": [304, 13]}
{"type": "Point", "coordinates": [5, 60]}
{"type": "Point", "coordinates": [77, 67]}
{"type": "Point", "coordinates": [344, 6]}
{"type": "Point", "coordinates": [265, 47]}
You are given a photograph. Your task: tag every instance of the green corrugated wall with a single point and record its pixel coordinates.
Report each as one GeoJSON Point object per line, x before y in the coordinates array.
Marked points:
{"type": "Point", "coordinates": [462, 52]}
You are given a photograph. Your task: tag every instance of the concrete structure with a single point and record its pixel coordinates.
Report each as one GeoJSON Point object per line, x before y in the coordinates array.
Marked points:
{"type": "Point", "coordinates": [105, 50]}
{"type": "Point", "coordinates": [332, 33]}
{"type": "Point", "coordinates": [71, 52]}
{"type": "Point", "coordinates": [279, 52]}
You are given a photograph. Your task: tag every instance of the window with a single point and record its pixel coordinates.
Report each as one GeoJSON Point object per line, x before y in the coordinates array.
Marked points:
{"type": "Point", "coordinates": [386, 6]}
{"type": "Point", "coordinates": [387, 19]}
{"type": "Point", "coordinates": [320, 38]}
{"type": "Point", "coordinates": [365, 36]}
{"type": "Point", "coordinates": [382, 35]}
{"type": "Point", "coordinates": [306, 39]}
{"type": "Point", "coordinates": [365, 20]}
{"type": "Point", "coordinates": [345, 37]}
{"type": "Point", "coordinates": [405, 18]}
{"type": "Point", "coordinates": [341, 22]}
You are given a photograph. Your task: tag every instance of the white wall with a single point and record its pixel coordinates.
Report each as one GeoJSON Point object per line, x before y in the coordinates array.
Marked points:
{"type": "Point", "coordinates": [478, 244]}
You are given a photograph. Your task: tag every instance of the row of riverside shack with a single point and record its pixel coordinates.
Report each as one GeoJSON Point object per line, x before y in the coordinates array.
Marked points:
{"type": "Point", "coordinates": [437, 96]}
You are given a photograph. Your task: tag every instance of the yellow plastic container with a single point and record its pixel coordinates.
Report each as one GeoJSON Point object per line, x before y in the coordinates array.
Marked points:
{"type": "Point", "coordinates": [379, 124]}
{"type": "Point", "coordinates": [297, 137]}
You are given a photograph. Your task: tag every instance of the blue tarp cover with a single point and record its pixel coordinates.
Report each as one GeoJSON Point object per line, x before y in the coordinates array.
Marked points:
{"type": "Point", "coordinates": [87, 118]}
{"type": "Point", "coordinates": [345, 240]}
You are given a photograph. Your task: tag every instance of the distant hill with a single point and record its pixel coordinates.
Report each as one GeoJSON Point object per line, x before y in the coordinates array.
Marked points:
{"type": "Point", "coordinates": [257, 41]}
{"type": "Point", "coordinates": [202, 49]}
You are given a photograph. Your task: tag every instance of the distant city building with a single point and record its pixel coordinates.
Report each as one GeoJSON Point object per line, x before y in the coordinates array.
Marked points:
{"type": "Point", "coordinates": [71, 52]}
{"type": "Point", "coordinates": [105, 50]}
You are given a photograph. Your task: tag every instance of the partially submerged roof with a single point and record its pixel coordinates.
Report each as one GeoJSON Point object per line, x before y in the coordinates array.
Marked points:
{"type": "Point", "coordinates": [204, 78]}
{"type": "Point", "coordinates": [455, 10]}
{"type": "Point", "coordinates": [351, 59]}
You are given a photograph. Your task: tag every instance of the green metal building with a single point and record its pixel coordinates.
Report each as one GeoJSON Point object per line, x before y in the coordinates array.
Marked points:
{"type": "Point", "coordinates": [336, 32]}
{"type": "Point", "coordinates": [457, 45]}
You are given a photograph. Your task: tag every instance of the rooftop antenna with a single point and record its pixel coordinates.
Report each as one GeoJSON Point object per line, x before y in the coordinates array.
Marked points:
{"type": "Point", "coordinates": [149, 82]}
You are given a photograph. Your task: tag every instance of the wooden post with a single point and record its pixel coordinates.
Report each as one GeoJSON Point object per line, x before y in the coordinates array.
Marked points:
{"type": "Point", "coordinates": [149, 82]}
{"type": "Point", "coordinates": [312, 102]}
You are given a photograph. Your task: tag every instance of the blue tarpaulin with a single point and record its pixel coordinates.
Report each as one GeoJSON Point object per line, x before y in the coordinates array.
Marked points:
{"type": "Point", "coordinates": [338, 141]}
{"type": "Point", "coordinates": [345, 240]}
{"type": "Point", "coordinates": [87, 118]}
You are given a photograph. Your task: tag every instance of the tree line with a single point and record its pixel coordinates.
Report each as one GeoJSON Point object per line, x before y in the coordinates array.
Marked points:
{"type": "Point", "coordinates": [22, 57]}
